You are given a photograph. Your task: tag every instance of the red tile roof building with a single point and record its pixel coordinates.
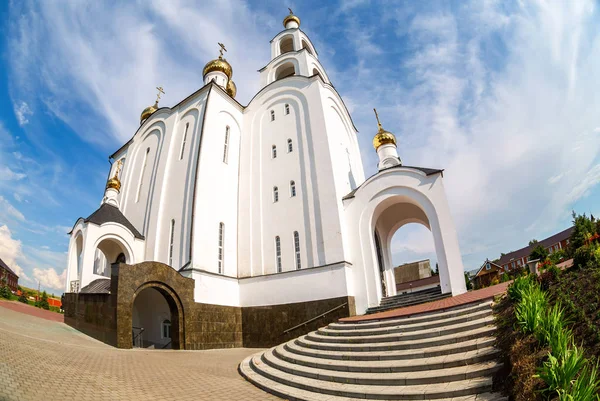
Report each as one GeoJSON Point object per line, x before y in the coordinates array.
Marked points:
{"type": "Point", "coordinates": [12, 280]}
{"type": "Point", "coordinates": [517, 259]}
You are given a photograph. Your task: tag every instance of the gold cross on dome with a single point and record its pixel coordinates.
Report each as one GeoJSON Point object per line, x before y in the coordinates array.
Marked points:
{"type": "Point", "coordinates": [118, 169]}
{"type": "Point", "coordinates": [377, 117]}
{"type": "Point", "coordinates": [160, 90]}
{"type": "Point", "coordinates": [222, 49]}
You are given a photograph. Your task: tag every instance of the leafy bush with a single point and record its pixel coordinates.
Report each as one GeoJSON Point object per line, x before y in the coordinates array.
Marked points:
{"type": "Point", "coordinates": [584, 388]}
{"type": "Point", "coordinates": [530, 310]}
{"type": "Point", "coordinates": [539, 252]}
{"type": "Point", "coordinates": [559, 373]}
{"type": "Point", "coordinates": [23, 297]}
{"type": "Point", "coordinates": [5, 292]}
{"type": "Point", "coordinates": [43, 302]}
{"type": "Point", "coordinates": [518, 287]}
{"type": "Point", "coordinates": [557, 256]}
{"type": "Point", "coordinates": [551, 324]}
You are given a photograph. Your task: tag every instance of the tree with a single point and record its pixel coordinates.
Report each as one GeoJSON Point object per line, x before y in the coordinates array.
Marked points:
{"type": "Point", "coordinates": [468, 282]}
{"type": "Point", "coordinates": [533, 242]}
{"type": "Point", "coordinates": [583, 228]}
{"type": "Point", "coordinates": [437, 269]}
{"type": "Point", "coordinates": [43, 302]}
{"type": "Point", "coordinates": [539, 252]}
{"type": "Point", "coordinates": [5, 292]}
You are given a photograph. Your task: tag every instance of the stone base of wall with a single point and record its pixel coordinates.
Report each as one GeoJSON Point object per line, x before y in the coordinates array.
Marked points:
{"type": "Point", "coordinates": [195, 326]}
{"type": "Point", "coordinates": [92, 314]}
{"type": "Point", "coordinates": [265, 326]}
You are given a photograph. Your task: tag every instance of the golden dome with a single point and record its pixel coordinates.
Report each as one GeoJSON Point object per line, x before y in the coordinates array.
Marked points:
{"type": "Point", "coordinates": [148, 111]}
{"type": "Point", "coordinates": [114, 183]}
{"type": "Point", "coordinates": [382, 137]}
{"type": "Point", "coordinates": [219, 64]}
{"type": "Point", "coordinates": [231, 88]}
{"type": "Point", "coordinates": [291, 17]}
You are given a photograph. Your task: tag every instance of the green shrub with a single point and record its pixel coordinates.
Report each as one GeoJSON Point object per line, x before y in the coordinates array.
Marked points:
{"type": "Point", "coordinates": [559, 373]}
{"type": "Point", "coordinates": [518, 287]}
{"type": "Point", "coordinates": [23, 297]}
{"type": "Point", "coordinates": [5, 292]}
{"type": "Point", "coordinates": [530, 310]}
{"type": "Point", "coordinates": [587, 256]}
{"type": "Point", "coordinates": [551, 325]}
{"type": "Point", "coordinates": [584, 388]}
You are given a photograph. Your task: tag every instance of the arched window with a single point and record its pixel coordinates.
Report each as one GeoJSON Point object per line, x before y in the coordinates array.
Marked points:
{"type": "Point", "coordinates": [221, 246]}
{"type": "Point", "coordinates": [272, 115]}
{"type": "Point", "coordinates": [287, 109]}
{"type": "Point", "coordinates": [278, 253]}
{"type": "Point", "coordinates": [166, 329]}
{"type": "Point", "coordinates": [273, 151]}
{"type": "Point", "coordinates": [316, 72]}
{"type": "Point", "coordinates": [275, 194]}
{"type": "Point", "coordinates": [187, 125]}
{"type": "Point", "coordinates": [286, 44]}
{"type": "Point", "coordinates": [171, 239]}
{"type": "Point", "coordinates": [297, 250]}
{"type": "Point", "coordinates": [306, 46]}
{"type": "Point", "coordinates": [292, 188]}
{"type": "Point", "coordinates": [226, 145]}
{"type": "Point", "coordinates": [137, 198]}
{"type": "Point", "coordinates": [285, 70]}
{"type": "Point", "coordinates": [290, 146]}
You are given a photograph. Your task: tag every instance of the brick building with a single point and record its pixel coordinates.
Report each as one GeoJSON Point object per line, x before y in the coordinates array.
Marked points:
{"type": "Point", "coordinates": [517, 259]}
{"type": "Point", "coordinates": [12, 280]}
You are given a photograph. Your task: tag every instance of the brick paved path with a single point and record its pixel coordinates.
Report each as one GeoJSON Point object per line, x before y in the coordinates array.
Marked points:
{"type": "Point", "coordinates": [463, 299]}
{"type": "Point", "coordinates": [32, 310]}
{"type": "Point", "coordinates": [46, 360]}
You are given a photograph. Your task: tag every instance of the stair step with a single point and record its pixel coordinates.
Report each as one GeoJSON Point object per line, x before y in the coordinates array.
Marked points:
{"type": "Point", "coordinates": [389, 366]}
{"type": "Point", "coordinates": [387, 355]}
{"type": "Point", "coordinates": [443, 390]}
{"type": "Point", "coordinates": [406, 328]}
{"type": "Point", "coordinates": [297, 394]}
{"type": "Point", "coordinates": [320, 335]}
{"type": "Point", "coordinates": [412, 319]}
{"type": "Point", "coordinates": [334, 345]}
{"type": "Point", "coordinates": [397, 305]}
{"type": "Point", "coordinates": [419, 294]}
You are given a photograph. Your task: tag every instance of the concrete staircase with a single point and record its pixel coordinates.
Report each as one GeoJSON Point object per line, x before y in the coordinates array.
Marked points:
{"type": "Point", "coordinates": [408, 299]}
{"type": "Point", "coordinates": [446, 355]}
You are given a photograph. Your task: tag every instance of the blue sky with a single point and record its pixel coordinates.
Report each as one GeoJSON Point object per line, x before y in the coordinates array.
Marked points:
{"type": "Point", "coordinates": [503, 95]}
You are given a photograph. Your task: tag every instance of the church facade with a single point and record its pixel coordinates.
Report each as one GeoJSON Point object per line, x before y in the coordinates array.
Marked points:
{"type": "Point", "coordinates": [258, 212]}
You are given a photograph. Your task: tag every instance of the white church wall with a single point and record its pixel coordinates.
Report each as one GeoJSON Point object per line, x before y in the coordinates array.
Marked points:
{"type": "Point", "coordinates": [215, 289]}
{"type": "Point", "coordinates": [295, 286]}
{"type": "Point", "coordinates": [217, 187]}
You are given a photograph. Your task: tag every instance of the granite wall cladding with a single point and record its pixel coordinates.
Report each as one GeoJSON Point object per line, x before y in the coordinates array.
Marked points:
{"type": "Point", "coordinates": [264, 326]}
{"type": "Point", "coordinates": [92, 314]}
{"type": "Point", "coordinates": [195, 326]}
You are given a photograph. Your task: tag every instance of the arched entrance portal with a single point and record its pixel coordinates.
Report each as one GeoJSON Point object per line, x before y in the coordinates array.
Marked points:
{"type": "Point", "coordinates": [156, 318]}
{"type": "Point", "coordinates": [391, 215]}
{"type": "Point", "coordinates": [107, 252]}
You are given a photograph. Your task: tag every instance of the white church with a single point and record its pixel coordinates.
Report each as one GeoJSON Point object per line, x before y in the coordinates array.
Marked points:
{"type": "Point", "coordinates": [261, 205]}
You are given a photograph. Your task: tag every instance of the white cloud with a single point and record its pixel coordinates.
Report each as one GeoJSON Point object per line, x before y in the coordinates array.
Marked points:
{"type": "Point", "coordinates": [22, 111]}
{"type": "Point", "coordinates": [9, 212]}
{"type": "Point", "coordinates": [6, 174]}
{"type": "Point", "coordinates": [49, 278]}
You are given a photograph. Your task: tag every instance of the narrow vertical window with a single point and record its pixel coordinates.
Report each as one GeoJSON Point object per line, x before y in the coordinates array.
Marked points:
{"type": "Point", "coordinates": [226, 145]}
{"type": "Point", "coordinates": [171, 239]}
{"type": "Point", "coordinates": [278, 253]}
{"type": "Point", "coordinates": [221, 239]}
{"type": "Point", "coordinates": [290, 146]}
{"type": "Point", "coordinates": [292, 188]}
{"type": "Point", "coordinates": [275, 194]}
{"type": "Point", "coordinates": [137, 198]}
{"type": "Point", "coordinates": [272, 115]}
{"type": "Point", "coordinates": [287, 109]}
{"type": "Point", "coordinates": [297, 250]}
{"type": "Point", "coordinates": [273, 151]}
{"type": "Point", "coordinates": [187, 126]}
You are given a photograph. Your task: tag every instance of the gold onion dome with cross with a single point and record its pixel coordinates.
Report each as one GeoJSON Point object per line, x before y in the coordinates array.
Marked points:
{"type": "Point", "coordinates": [291, 17]}
{"type": "Point", "coordinates": [148, 111]}
{"type": "Point", "coordinates": [218, 64]}
{"type": "Point", "coordinates": [114, 182]}
{"type": "Point", "coordinates": [382, 137]}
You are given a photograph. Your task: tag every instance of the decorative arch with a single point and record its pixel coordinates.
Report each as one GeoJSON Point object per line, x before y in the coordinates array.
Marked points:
{"type": "Point", "coordinates": [308, 47]}
{"type": "Point", "coordinates": [286, 44]}
{"type": "Point", "coordinates": [285, 70]}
